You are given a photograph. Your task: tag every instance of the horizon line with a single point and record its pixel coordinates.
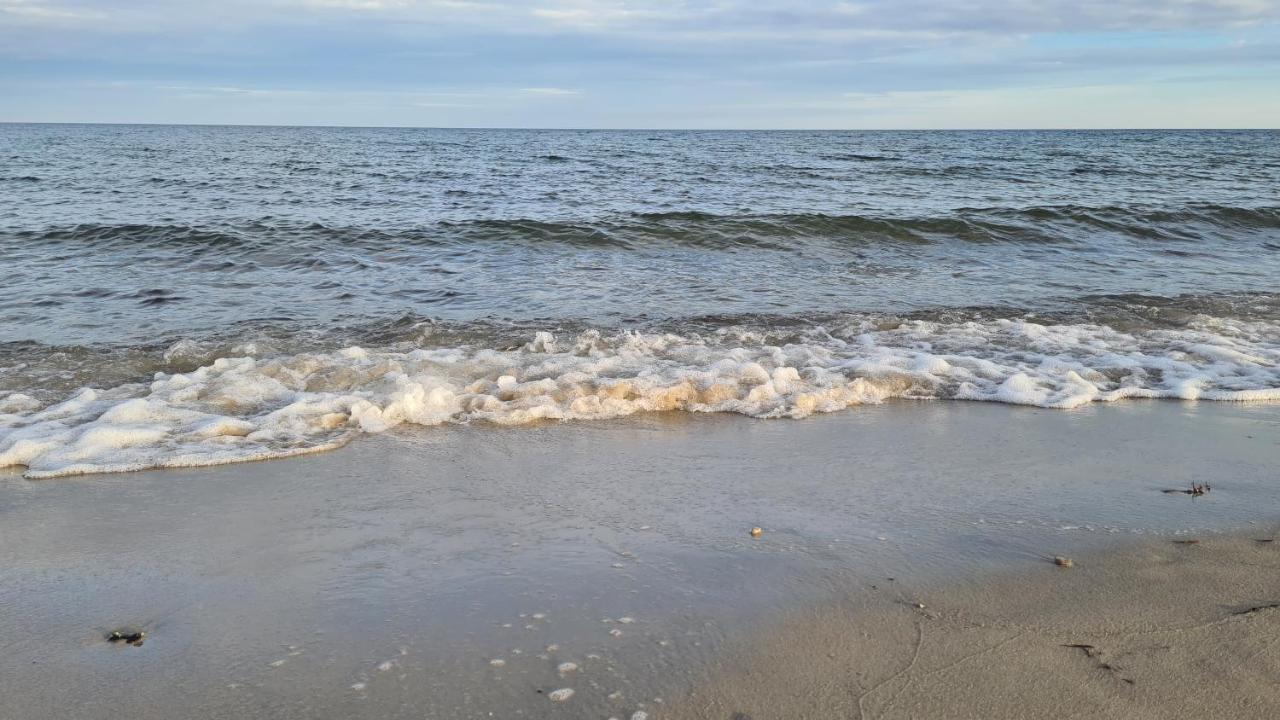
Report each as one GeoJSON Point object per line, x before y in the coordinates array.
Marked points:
{"type": "Point", "coordinates": [643, 129]}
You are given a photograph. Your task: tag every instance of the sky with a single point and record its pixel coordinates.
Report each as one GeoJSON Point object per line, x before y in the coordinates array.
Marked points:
{"type": "Point", "coordinates": [652, 64]}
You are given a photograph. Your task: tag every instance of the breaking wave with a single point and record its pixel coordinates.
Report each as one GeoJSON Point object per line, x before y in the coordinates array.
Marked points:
{"type": "Point", "coordinates": [243, 408]}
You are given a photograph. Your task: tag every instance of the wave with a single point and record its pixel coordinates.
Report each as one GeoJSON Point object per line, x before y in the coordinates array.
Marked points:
{"type": "Point", "coordinates": [241, 408]}
{"type": "Point", "coordinates": [862, 157]}
{"type": "Point", "coordinates": [1042, 224]}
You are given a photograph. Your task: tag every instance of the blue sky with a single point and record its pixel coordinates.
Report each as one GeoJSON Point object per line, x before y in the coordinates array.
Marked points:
{"type": "Point", "coordinates": [654, 64]}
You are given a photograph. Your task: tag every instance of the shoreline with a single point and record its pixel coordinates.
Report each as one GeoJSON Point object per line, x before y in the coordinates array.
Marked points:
{"type": "Point", "coordinates": [384, 578]}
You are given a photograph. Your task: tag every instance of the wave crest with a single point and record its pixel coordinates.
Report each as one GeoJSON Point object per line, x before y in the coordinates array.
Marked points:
{"type": "Point", "coordinates": [244, 408]}
{"type": "Point", "coordinates": [1042, 224]}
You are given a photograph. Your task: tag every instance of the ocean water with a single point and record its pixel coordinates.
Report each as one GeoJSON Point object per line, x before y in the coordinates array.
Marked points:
{"type": "Point", "coordinates": [198, 295]}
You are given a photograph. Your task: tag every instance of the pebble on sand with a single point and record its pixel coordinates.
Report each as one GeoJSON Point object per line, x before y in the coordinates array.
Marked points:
{"type": "Point", "coordinates": [560, 695]}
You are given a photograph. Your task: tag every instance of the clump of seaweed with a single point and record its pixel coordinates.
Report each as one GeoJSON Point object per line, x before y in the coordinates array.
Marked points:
{"type": "Point", "coordinates": [128, 636]}
{"type": "Point", "coordinates": [1094, 653]}
{"type": "Point", "coordinates": [1196, 490]}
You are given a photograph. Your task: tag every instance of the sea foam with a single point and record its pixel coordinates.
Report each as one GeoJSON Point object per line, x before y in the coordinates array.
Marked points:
{"type": "Point", "coordinates": [246, 408]}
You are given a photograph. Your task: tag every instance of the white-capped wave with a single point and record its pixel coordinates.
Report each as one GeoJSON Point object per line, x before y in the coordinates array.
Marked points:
{"type": "Point", "coordinates": [246, 408]}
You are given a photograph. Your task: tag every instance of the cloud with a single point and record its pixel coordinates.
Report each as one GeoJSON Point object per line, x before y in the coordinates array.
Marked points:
{"type": "Point", "coordinates": [37, 11]}
{"type": "Point", "coordinates": [780, 17]}
{"type": "Point", "coordinates": [550, 91]}
{"type": "Point", "coordinates": [647, 62]}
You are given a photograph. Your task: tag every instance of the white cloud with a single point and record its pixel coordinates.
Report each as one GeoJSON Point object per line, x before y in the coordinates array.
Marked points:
{"type": "Point", "coordinates": [552, 91]}
{"type": "Point", "coordinates": [479, 97]}
{"type": "Point", "coordinates": [609, 16]}
{"type": "Point", "coordinates": [41, 11]}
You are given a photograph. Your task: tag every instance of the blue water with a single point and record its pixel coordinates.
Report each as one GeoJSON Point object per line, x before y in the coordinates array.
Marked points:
{"type": "Point", "coordinates": [1049, 268]}
{"type": "Point", "coordinates": [132, 234]}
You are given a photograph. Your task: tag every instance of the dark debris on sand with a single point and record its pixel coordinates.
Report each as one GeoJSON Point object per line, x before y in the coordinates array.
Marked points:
{"type": "Point", "coordinates": [1196, 490]}
{"type": "Point", "coordinates": [128, 636]}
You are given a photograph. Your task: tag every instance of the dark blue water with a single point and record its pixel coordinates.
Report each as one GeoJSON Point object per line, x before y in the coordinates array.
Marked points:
{"type": "Point", "coordinates": [123, 234]}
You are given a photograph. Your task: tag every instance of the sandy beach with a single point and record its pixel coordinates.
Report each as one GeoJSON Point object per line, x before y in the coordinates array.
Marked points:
{"type": "Point", "coordinates": [475, 571]}
{"type": "Point", "coordinates": [1167, 628]}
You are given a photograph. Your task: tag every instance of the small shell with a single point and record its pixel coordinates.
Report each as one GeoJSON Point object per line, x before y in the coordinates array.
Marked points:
{"type": "Point", "coordinates": [560, 695]}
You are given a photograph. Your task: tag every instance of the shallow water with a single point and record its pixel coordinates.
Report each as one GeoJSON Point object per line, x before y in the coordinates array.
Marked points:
{"type": "Point", "coordinates": [193, 295]}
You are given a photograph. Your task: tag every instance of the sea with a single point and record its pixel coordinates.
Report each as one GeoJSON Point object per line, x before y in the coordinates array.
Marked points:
{"type": "Point", "coordinates": [197, 295]}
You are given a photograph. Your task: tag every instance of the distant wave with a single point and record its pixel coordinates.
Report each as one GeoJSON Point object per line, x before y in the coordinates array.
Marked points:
{"type": "Point", "coordinates": [862, 157]}
{"type": "Point", "coordinates": [1047, 224]}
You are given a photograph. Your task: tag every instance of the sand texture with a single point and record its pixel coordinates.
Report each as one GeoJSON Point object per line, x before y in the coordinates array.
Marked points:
{"type": "Point", "coordinates": [1160, 630]}
{"type": "Point", "coordinates": [475, 572]}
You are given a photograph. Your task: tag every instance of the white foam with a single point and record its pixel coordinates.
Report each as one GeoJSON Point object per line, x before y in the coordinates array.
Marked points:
{"type": "Point", "coordinates": [17, 403]}
{"type": "Point", "coordinates": [245, 408]}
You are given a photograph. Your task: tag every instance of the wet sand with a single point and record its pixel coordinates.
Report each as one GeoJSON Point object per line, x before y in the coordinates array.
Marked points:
{"type": "Point", "coordinates": [383, 580]}
{"type": "Point", "coordinates": [1158, 630]}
